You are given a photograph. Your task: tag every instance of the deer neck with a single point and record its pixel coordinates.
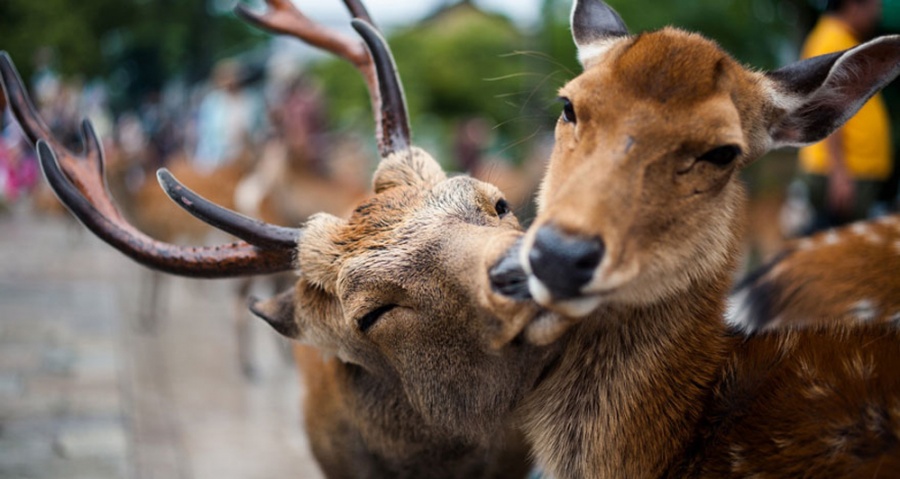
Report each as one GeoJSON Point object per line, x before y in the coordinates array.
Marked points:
{"type": "Point", "coordinates": [627, 394]}
{"type": "Point", "coordinates": [362, 425]}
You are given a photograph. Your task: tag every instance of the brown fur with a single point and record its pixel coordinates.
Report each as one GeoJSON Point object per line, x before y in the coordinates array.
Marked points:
{"type": "Point", "coordinates": [421, 393]}
{"type": "Point", "coordinates": [651, 383]}
{"type": "Point", "coordinates": [847, 275]}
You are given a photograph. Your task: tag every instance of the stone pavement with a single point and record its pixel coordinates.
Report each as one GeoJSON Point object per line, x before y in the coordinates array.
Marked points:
{"type": "Point", "coordinates": [85, 394]}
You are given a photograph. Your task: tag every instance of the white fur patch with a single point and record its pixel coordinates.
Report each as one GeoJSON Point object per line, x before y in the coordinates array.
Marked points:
{"type": "Point", "coordinates": [806, 244]}
{"type": "Point", "coordinates": [865, 310]}
{"type": "Point", "coordinates": [579, 307]}
{"type": "Point", "coordinates": [593, 52]}
{"type": "Point", "coordinates": [895, 318]}
{"type": "Point", "coordinates": [832, 237]}
{"type": "Point", "coordinates": [538, 291]}
{"type": "Point", "coordinates": [859, 228]}
{"type": "Point", "coordinates": [737, 314]}
{"type": "Point", "coordinates": [781, 100]}
{"type": "Point", "coordinates": [874, 238]}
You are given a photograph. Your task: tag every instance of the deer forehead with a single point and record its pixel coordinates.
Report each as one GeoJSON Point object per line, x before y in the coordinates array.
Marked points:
{"type": "Point", "coordinates": [671, 86]}
{"type": "Point", "coordinates": [403, 231]}
{"type": "Point", "coordinates": [671, 66]}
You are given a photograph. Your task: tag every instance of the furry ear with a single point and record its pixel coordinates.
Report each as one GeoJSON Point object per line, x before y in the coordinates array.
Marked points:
{"type": "Point", "coordinates": [821, 93]}
{"type": "Point", "coordinates": [594, 23]}
{"type": "Point", "coordinates": [278, 312]}
{"type": "Point", "coordinates": [319, 254]}
{"type": "Point", "coordinates": [413, 167]}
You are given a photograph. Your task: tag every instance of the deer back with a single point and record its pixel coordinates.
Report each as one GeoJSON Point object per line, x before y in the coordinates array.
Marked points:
{"type": "Point", "coordinates": [844, 275]}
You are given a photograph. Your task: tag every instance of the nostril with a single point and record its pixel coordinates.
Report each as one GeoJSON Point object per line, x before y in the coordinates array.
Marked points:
{"type": "Point", "coordinates": [564, 262]}
{"type": "Point", "coordinates": [507, 276]}
{"type": "Point", "coordinates": [590, 257]}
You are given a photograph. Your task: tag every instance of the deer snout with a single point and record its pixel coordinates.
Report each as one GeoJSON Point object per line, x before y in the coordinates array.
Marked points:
{"type": "Point", "coordinates": [507, 276]}
{"type": "Point", "coordinates": [563, 262]}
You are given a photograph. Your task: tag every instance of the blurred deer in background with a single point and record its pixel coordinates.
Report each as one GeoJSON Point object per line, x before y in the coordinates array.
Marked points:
{"type": "Point", "coordinates": [403, 382]}
{"type": "Point", "coordinates": [637, 236]}
{"type": "Point", "coordinates": [845, 275]}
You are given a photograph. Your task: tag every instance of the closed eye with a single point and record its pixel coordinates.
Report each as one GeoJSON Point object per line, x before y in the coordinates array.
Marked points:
{"type": "Point", "coordinates": [365, 322]}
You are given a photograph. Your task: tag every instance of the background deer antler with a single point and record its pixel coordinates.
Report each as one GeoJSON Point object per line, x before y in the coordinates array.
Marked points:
{"type": "Point", "coordinates": [391, 121]}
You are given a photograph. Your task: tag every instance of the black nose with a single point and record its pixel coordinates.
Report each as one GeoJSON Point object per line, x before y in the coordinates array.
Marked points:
{"type": "Point", "coordinates": [507, 276]}
{"type": "Point", "coordinates": [564, 262]}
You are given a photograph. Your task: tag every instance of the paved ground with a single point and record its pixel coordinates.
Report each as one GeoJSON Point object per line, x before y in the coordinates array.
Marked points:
{"type": "Point", "coordinates": [85, 394]}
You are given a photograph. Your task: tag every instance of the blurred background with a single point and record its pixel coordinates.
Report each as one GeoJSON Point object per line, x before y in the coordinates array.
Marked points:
{"type": "Point", "coordinates": [107, 370]}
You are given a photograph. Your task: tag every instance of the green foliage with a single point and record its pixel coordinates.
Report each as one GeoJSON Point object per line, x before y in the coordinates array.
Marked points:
{"type": "Point", "coordinates": [136, 43]}
{"type": "Point", "coordinates": [455, 65]}
{"type": "Point", "coordinates": [762, 33]}
{"type": "Point", "coordinates": [73, 29]}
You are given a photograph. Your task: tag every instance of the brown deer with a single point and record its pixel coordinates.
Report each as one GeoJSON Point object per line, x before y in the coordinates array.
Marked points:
{"type": "Point", "coordinates": [636, 239]}
{"type": "Point", "coordinates": [846, 274]}
{"type": "Point", "coordinates": [404, 382]}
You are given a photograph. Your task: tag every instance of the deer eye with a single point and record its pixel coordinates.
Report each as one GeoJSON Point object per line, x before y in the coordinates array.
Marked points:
{"type": "Point", "coordinates": [502, 208]}
{"type": "Point", "coordinates": [568, 114]}
{"type": "Point", "coordinates": [365, 322]}
{"type": "Point", "coordinates": [721, 156]}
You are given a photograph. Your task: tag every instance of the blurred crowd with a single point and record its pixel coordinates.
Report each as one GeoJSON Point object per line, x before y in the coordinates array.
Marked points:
{"type": "Point", "coordinates": [266, 126]}
{"type": "Point", "coordinates": [238, 118]}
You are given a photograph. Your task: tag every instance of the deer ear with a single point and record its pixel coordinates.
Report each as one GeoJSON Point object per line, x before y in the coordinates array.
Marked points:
{"type": "Point", "coordinates": [412, 167]}
{"type": "Point", "coordinates": [821, 93]}
{"type": "Point", "coordinates": [278, 312]}
{"type": "Point", "coordinates": [594, 23]}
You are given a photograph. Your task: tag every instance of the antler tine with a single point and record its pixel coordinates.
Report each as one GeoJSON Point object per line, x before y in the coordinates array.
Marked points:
{"type": "Point", "coordinates": [236, 259]}
{"type": "Point", "coordinates": [284, 18]}
{"type": "Point", "coordinates": [358, 10]}
{"type": "Point", "coordinates": [79, 183]}
{"type": "Point", "coordinates": [250, 230]}
{"type": "Point", "coordinates": [395, 121]}
{"type": "Point", "coordinates": [77, 167]}
{"type": "Point", "coordinates": [391, 124]}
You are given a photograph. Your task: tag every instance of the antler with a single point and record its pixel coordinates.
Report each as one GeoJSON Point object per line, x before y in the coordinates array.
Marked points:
{"type": "Point", "coordinates": [238, 225]}
{"type": "Point", "coordinates": [79, 182]}
{"type": "Point", "coordinates": [388, 104]}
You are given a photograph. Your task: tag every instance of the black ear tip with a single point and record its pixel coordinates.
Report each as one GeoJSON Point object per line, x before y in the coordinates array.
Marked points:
{"type": "Point", "coordinates": [594, 20]}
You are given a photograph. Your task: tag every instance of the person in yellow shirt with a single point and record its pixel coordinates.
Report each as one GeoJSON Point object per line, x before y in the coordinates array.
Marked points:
{"type": "Point", "coordinates": [845, 172]}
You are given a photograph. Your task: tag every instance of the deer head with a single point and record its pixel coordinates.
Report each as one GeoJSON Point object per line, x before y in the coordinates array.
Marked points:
{"type": "Point", "coordinates": [398, 292]}
{"type": "Point", "coordinates": [642, 197]}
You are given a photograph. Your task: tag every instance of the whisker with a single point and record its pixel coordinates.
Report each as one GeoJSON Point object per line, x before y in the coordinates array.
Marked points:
{"type": "Point", "coordinates": [541, 56]}
{"type": "Point", "coordinates": [519, 142]}
{"type": "Point", "coordinates": [513, 75]}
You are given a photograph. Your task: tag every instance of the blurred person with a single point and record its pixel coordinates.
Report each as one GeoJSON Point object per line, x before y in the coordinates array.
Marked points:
{"type": "Point", "coordinates": [18, 166]}
{"type": "Point", "coordinates": [844, 173]}
{"type": "Point", "coordinates": [225, 119]}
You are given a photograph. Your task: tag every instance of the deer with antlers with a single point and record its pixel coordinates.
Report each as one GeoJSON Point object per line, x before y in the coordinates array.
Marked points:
{"type": "Point", "coordinates": [411, 386]}
{"type": "Point", "coordinates": [636, 239]}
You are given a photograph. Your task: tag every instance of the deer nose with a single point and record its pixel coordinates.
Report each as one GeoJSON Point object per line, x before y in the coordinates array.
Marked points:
{"type": "Point", "coordinates": [564, 262]}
